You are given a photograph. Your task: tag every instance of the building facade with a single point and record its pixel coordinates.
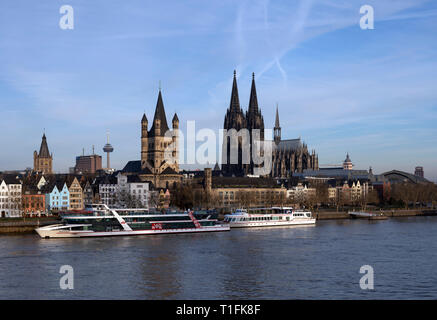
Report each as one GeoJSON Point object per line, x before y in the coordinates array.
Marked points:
{"type": "Point", "coordinates": [88, 164]}
{"type": "Point", "coordinates": [34, 201]}
{"type": "Point", "coordinates": [58, 198]}
{"type": "Point", "coordinates": [132, 192]}
{"type": "Point", "coordinates": [300, 193]}
{"type": "Point", "coordinates": [76, 195]}
{"type": "Point", "coordinates": [10, 197]}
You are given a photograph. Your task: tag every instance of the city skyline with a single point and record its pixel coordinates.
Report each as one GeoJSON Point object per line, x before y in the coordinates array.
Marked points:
{"type": "Point", "coordinates": [340, 88]}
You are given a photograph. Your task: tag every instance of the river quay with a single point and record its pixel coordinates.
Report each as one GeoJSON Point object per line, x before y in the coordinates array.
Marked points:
{"type": "Point", "coordinates": [328, 215]}
{"type": "Point", "coordinates": [27, 225]}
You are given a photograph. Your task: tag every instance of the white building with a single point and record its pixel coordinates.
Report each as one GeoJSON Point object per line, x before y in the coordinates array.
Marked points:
{"type": "Point", "coordinates": [137, 190]}
{"type": "Point", "coordinates": [10, 196]}
{"type": "Point", "coordinates": [300, 193]}
{"type": "Point", "coordinates": [107, 190]}
{"type": "Point", "coordinates": [124, 191]}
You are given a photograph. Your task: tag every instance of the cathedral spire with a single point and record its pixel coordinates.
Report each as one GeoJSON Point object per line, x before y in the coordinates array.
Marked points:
{"type": "Point", "coordinates": [277, 128]}
{"type": "Point", "coordinates": [253, 102]}
{"type": "Point", "coordinates": [235, 101]}
{"type": "Point", "coordinates": [277, 118]}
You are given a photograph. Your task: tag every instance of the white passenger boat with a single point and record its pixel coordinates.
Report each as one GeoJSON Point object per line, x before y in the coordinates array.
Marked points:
{"type": "Point", "coordinates": [104, 221]}
{"type": "Point", "coordinates": [269, 217]}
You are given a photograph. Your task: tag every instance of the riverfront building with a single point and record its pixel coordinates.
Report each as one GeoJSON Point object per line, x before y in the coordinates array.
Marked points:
{"type": "Point", "coordinates": [123, 191]}
{"type": "Point", "coordinates": [10, 196]}
{"type": "Point", "coordinates": [58, 198]}
{"type": "Point", "coordinates": [210, 189]}
{"type": "Point", "coordinates": [34, 201]}
{"type": "Point", "coordinates": [76, 194]}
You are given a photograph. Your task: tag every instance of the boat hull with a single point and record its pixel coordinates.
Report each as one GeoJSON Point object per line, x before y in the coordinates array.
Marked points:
{"type": "Point", "coordinates": [256, 224]}
{"type": "Point", "coordinates": [45, 233]}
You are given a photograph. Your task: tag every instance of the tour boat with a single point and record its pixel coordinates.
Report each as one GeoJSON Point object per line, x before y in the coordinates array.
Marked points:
{"type": "Point", "coordinates": [105, 221]}
{"type": "Point", "coordinates": [268, 217]}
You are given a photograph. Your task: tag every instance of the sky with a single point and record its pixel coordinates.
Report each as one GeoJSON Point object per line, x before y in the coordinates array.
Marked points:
{"type": "Point", "coordinates": [342, 89]}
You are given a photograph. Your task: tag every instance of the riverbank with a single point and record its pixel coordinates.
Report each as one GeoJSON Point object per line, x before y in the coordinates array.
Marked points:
{"type": "Point", "coordinates": [330, 215]}
{"type": "Point", "coordinates": [27, 225]}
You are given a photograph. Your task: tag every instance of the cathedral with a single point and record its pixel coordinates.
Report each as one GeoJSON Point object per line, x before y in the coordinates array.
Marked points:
{"type": "Point", "coordinates": [42, 161]}
{"type": "Point", "coordinates": [288, 156]}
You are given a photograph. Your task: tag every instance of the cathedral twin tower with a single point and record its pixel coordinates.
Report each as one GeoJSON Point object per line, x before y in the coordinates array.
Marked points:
{"type": "Point", "coordinates": [288, 156]}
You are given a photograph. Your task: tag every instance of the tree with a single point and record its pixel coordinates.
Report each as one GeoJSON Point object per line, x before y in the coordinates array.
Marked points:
{"type": "Point", "coordinates": [183, 197]}
{"type": "Point", "coordinates": [125, 200]}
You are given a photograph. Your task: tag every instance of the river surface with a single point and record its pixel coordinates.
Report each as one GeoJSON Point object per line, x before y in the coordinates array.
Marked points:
{"type": "Point", "coordinates": [317, 262]}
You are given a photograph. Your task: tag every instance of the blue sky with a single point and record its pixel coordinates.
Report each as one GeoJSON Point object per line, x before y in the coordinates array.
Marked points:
{"type": "Point", "coordinates": [371, 93]}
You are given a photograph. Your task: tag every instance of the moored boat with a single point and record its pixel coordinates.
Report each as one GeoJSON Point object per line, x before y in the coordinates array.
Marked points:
{"type": "Point", "coordinates": [367, 215]}
{"type": "Point", "coordinates": [269, 217]}
{"type": "Point", "coordinates": [105, 221]}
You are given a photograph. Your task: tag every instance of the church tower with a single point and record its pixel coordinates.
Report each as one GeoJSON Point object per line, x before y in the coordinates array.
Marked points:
{"type": "Point", "coordinates": [277, 128]}
{"type": "Point", "coordinates": [234, 119]}
{"type": "Point", "coordinates": [42, 161]}
{"type": "Point", "coordinates": [255, 124]}
{"type": "Point", "coordinates": [154, 143]}
{"type": "Point", "coordinates": [347, 163]}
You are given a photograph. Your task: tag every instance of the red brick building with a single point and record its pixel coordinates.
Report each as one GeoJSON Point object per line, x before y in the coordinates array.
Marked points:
{"type": "Point", "coordinates": [34, 202]}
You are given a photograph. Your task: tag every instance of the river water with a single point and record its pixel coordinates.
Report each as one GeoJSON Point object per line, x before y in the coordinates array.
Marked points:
{"type": "Point", "coordinates": [316, 262]}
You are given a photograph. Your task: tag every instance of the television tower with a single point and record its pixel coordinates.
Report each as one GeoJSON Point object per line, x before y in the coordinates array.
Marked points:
{"type": "Point", "coordinates": [108, 149]}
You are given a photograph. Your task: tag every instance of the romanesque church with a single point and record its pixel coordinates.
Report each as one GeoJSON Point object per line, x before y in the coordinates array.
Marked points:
{"type": "Point", "coordinates": [156, 150]}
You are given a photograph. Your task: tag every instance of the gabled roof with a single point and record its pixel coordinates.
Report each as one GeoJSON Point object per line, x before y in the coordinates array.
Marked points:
{"type": "Point", "coordinates": [107, 179]}
{"type": "Point", "coordinates": [290, 144]}
{"type": "Point", "coordinates": [10, 178]}
{"type": "Point", "coordinates": [134, 166]}
{"type": "Point", "coordinates": [169, 170]}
